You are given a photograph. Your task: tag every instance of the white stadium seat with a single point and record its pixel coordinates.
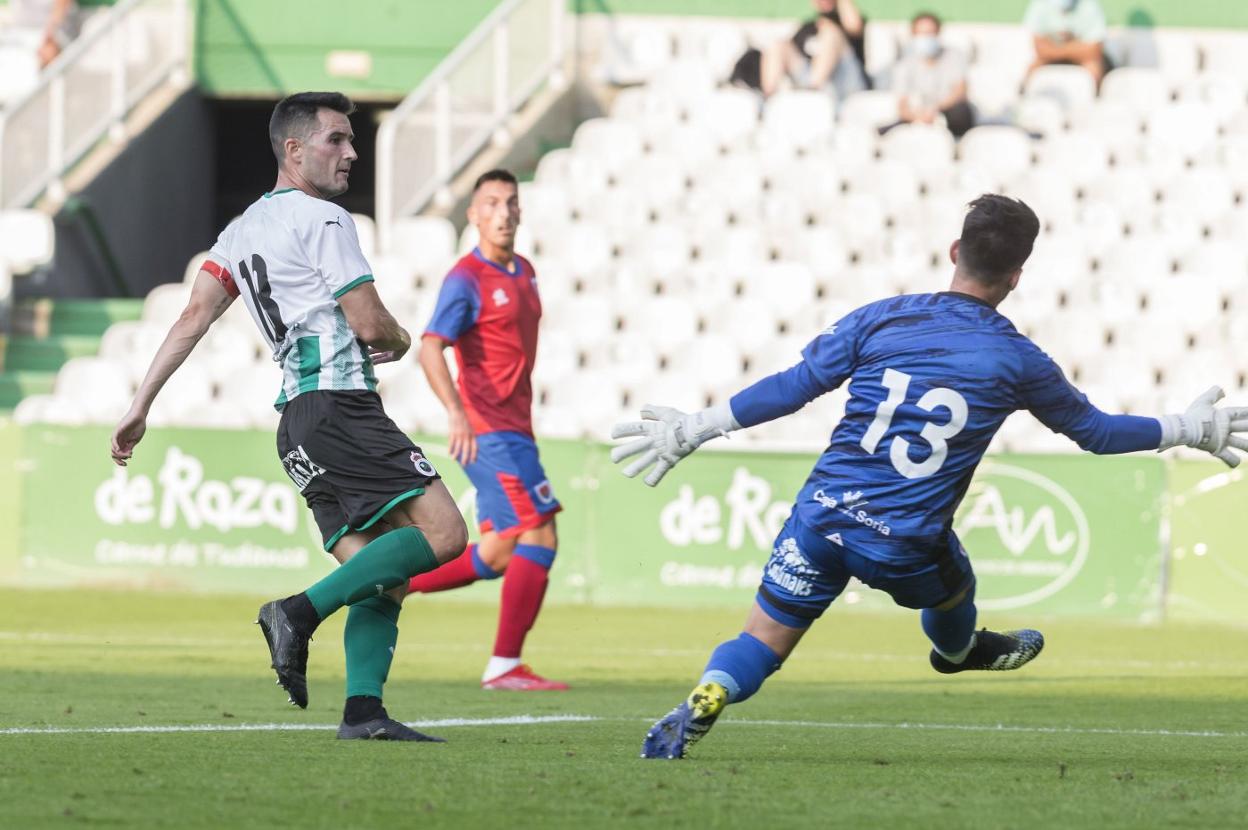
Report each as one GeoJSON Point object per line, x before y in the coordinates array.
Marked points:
{"type": "Point", "coordinates": [27, 239]}
{"type": "Point", "coordinates": [164, 303]}
{"type": "Point", "coordinates": [612, 142]}
{"type": "Point", "coordinates": [366, 230]}
{"type": "Point", "coordinates": [730, 115]}
{"type": "Point", "coordinates": [1002, 152]}
{"type": "Point", "coordinates": [426, 243]}
{"type": "Point", "coordinates": [921, 147]}
{"type": "Point", "coordinates": [871, 108]}
{"type": "Point", "coordinates": [1142, 89]}
{"type": "Point", "coordinates": [796, 120]}
{"type": "Point", "coordinates": [1070, 86]}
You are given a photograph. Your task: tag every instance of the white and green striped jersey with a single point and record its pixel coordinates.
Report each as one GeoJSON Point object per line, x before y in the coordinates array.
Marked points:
{"type": "Point", "coordinates": [290, 256]}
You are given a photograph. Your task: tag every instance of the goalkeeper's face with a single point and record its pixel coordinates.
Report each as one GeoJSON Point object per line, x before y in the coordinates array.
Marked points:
{"type": "Point", "coordinates": [495, 211]}
{"type": "Point", "coordinates": [325, 155]}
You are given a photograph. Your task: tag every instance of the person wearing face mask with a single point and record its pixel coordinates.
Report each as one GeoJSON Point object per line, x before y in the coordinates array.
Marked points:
{"type": "Point", "coordinates": [930, 80]}
{"type": "Point", "coordinates": [1068, 32]}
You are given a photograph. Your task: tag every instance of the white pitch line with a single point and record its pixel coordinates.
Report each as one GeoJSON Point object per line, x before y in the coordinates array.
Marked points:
{"type": "Point", "coordinates": [535, 720]}
{"type": "Point", "coordinates": [517, 720]}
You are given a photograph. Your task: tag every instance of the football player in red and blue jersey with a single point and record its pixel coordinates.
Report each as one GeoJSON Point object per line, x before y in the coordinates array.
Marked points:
{"type": "Point", "coordinates": [489, 310]}
{"type": "Point", "coordinates": [931, 379]}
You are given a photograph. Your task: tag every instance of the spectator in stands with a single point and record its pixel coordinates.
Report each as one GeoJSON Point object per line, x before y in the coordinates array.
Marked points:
{"type": "Point", "coordinates": [827, 49]}
{"type": "Point", "coordinates": [47, 25]}
{"type": "Point", "coordinates": [930, 80]}
{"type": "Point", "coordinates": [1068, 32]}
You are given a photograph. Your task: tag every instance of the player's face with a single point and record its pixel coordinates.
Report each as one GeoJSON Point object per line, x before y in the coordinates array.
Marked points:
{"type": "Point", "coordinates": [495, 210]}
{"type": "Point", "coordinates": [326, 155]}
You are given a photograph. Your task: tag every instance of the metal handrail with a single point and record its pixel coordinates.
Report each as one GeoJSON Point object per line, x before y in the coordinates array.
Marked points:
{"type": "Point", "coordinates": [63, 151]}
{"type": "Point", "coordinates": [448, 156]}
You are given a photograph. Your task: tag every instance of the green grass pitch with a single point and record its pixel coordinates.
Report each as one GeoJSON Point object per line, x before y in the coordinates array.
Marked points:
{"type": "Point", "coordinates": [1111, 727]}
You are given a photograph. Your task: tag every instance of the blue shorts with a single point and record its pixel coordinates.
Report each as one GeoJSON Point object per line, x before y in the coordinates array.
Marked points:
{"type": "Point", "coordinates": [513, 493]}
{"type": "Point", "coordinates": [806, 572]}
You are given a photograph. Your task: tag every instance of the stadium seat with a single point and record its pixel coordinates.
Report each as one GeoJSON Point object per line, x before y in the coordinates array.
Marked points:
{"type": "Point", "coordinates": [100, 387]}
{"type": "Point", "coordinates": [796, 121]}
{"type": "Point", "coordinates": [730, 115]}
{"type": "Point", "coordinates": [870, 108]}
{"type": "Point", "coordinates": [1142, 89]}
{"type": "Point", "coordinates": [659, 178]}
{"type": "Point", "coordinates": [922, 148]}
{"type": "Point", "coordinates": [1070, 86]}
{"type": "Point", "coordinates": [585, 318]}
{"type": "Point", "coordinates": [650, 110]}
{"type": "Point", "coordinates": [1187, 127]}
{"type": "Point", "coordinates": [1041, 114]}
{"type": "Point", "coordinates": [1002, 152]}
{"type": "Point", "coordinates": [366, 230]}
{"type": "Point", "coordinates": [882, 46]}
{"type": "Point", "coordinates": [896, 185]}
{"type": "Point", "coordinates": [19, 72]}
{"type": "Point", "coordinates": [992, 92]}
{"type": "Point", "coordinates": [1114, 124]}
{"type": "Point", "coordinates": [632, 56]}
{"type": "Point", "coordinates": [750, 325]}
{"type": "Point", "coordinates": [717, 46]}
{"type": "Point", "coordinates": [425, 243]}
{"type": "Point", "coordinates": [612, 142]}
{"type": "Point", "coordinates": [193, 266]}
{"type": "Point", "coordinates": [1079, 156]}
{"type": "Point", "coordinates": [711, 362]}
{"type": "Point", "coordinates": [786, 288]}
{"type": "Point", "coordinates": [1222, 94]}
{"type": "Point", "coordinates": [164, 303]}
{"type": "Point", "coordinates": [688, 82]}
{"type": "Point", "coordinates": [542, 204]}
{"type": "Point", "coordinates": [252, 392]}
{"type": "Point", "coordinates": [186, 390]}
{"type": "Point", "coordinates": [27, 239]}
{"type": "Point", "coordinates": [630, 357]}
{"type": "Point", "coordinates": [1224, 53]}
{"type": "Point", "coordinates": [595, 400]}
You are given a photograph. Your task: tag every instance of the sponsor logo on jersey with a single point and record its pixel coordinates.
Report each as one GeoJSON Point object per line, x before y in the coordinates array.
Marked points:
{"type": "Point", "coordinates": [500, 298]}
{"type": "Point", "coordinates": [851, 505]}
{"type": "Point", "coordinates": [1030, 536]}
{"type": "Point", "coordinates": [333, 222]}
{"type": "Point", "coordinates": [422, 465]}
{"type": "Point", "coordinates": [830, 329]}
{"type": "Point", "coordinates": [300, 468]}
{"type": "Point", "coordinates": [789, 567]}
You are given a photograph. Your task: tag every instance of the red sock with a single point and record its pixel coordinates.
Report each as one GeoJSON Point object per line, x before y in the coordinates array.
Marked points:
{"type": "Point", "coordinates": [458, 572]}
{"type": "Point", "coordinates": [524, 586]}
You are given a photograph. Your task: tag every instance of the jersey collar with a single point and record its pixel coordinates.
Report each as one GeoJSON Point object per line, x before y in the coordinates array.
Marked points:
{"type": "Point", "coordinates": [962, 296]}
{"type": "Point", "coordinates": [273, 193]}
{"type": "Point", "coordinates": [515, 261]}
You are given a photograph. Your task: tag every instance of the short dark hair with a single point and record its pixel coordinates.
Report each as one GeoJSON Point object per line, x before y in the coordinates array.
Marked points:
{"type": "Point", "coordinates": [925, 16]}
{"type": "Point", "coordinates": [495, 175]}
{"type": "Point", "coordinates": [998, 234]}
{"type": "Point", "coordinates": [295, 116]}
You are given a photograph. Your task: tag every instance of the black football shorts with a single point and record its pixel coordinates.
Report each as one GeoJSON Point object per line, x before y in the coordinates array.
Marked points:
{"type": "Point", "coordinates": [349, 460]}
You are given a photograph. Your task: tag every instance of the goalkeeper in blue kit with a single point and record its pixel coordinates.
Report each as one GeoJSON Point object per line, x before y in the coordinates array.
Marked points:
{"type": "Point", "coordinates": [931, 379]}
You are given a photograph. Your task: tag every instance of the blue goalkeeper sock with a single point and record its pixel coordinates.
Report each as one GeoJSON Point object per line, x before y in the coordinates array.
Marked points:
{"type": "Point", "coordinates": [952, 632]}
{"type": "Point", "coordinates": [741, 666]}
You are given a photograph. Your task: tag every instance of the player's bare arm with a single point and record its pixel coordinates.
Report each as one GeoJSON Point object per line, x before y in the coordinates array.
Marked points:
{"type": "Point", "coordinates": [461, 440]}
{"type": "Point", "coordinates": [208, 301]}
{"type": "Point", "coordinates": [373, 323]}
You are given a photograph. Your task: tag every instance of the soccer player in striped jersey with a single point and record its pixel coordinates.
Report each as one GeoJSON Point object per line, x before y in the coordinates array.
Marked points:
{"type": "Point", "coordinates": [383, 511]}
{"type": "Point", "coordinates": [931, 379]}
{"type": "Point", "coordinates": [488, 309]}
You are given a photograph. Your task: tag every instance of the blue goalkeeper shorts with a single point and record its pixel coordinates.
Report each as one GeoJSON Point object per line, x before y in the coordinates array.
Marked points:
{"type": "Point", "coordinates": [806, 572]}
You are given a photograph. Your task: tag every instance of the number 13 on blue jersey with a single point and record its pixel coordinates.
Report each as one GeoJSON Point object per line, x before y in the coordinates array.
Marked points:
{"type": "Point", "coordinates": [936, 435]}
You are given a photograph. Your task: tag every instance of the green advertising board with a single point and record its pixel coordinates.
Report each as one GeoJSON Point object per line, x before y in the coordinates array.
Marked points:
{"type": "Point", "coordinates": [10, 496]}
{"type": "Point", "coordinates": [1054, 535]}
{"type": "Point", "coordinates": [1208, 576]}
{"type": "Point", "coordinates": [206, 510]}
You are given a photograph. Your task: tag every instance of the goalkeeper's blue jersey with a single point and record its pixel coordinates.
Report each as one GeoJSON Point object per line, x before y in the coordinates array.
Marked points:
{"type": "Point", "coordinates": [931, 379]}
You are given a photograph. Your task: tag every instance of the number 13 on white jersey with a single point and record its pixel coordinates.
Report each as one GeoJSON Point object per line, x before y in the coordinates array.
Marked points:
{"type": "Point", "coordinates": [936, 435]}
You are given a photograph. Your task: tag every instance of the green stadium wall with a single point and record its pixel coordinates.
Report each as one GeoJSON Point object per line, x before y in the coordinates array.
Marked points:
{"type": "Point", "coordinates": [211, 511]}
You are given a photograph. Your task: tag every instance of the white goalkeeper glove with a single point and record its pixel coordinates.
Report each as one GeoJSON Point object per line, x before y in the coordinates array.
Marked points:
{"type": "Point", "coordinates": [1207, 427]}
{"type": "Point", "coordinates": [668, 435]}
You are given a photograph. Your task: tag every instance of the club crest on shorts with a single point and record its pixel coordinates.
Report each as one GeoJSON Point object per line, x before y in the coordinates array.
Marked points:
{"type": "Point", "coordinates": [300, 468]}
{"type": "Point", "coordinates": [422, 465]}
{"type": "Point", "coordinates": [545, 494]}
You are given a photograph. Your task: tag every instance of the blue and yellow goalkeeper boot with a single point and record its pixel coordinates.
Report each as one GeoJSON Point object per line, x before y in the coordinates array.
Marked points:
{"type": "Point", "coordinates": [685, 725]}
